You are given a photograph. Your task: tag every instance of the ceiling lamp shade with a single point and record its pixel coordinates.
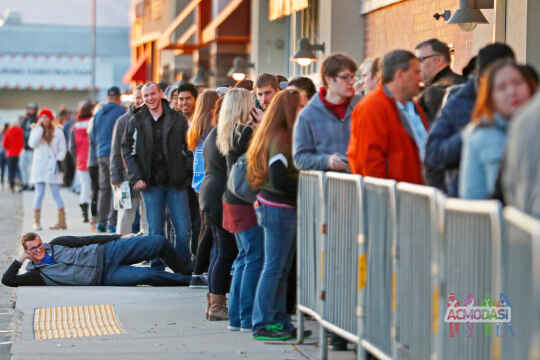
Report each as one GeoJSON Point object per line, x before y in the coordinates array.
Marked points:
{"type": "Point", "coordinates": [239, 69]}
{"type": "Point", "coordinates": [306, 53]}
{"type": "Point", "coordinates": [467, 18]}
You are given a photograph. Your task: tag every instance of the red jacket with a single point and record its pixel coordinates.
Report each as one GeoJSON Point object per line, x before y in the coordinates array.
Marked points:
{"type": "Point", "coordinates": [81, 142]}
{"type": "Point", "coordinates": [13, 141]}
{"type": "Point", "coordinates": [379, 145]}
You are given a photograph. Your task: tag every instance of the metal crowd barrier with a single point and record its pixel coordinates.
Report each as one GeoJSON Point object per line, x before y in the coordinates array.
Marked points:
{"type": "Point", "coordinates": [311, 217]}
{"type": "Point", "coordinates": [521, 277]}
{"type": "Point", "coordinates": [417, 265]}
{"type": "Point", "coordinates": [344, 215]}
{"type": "Point", "coordinates": [377, 264]}
{"type": "Point", "coordinates": [471, 258]}
{"type": "Point", "coordinates": [376, 305]}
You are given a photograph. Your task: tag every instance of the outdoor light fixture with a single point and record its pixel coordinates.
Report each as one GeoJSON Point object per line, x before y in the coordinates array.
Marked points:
{"type": "Point", "coordinates": [240, 69]}
{"type": "Point", "coordinates": [467, 18]}
{"type": "Point", "coordinates": [445, 15]}
{"type": "Point", "coordinates": [306, 54]}
{"type": "Point", "coordinates": [200, 76]}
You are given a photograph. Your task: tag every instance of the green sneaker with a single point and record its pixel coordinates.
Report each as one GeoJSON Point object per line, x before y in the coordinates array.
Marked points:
{"type": "Point", "coordinates": [272, 333]}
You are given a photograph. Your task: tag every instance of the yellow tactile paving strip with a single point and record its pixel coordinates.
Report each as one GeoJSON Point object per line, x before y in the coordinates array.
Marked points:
{"type": "Point", "coordinates": [75, 321]}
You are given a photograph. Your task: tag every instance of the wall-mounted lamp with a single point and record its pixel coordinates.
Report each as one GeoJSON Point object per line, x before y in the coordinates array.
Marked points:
{"type": "Point", "coordinates": [200, 76]}
{"type": "Point", "coordinates": [445, 15]}
{"type": "Point", "coordinates": [306, 53]}
{"type": "Point", "coordinates": [466, 17]}
{"type": "Point", "coordinates": [240, 68]}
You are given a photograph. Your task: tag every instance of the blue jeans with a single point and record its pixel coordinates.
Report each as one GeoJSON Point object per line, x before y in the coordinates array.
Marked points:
{"type": "Point", "coordinates": [156, 198]}
{"type": "Point", "coordinates": [246, 271]}
{"type": "Point", "coordinates": [270, 305]}
{"type": "Point", "coordinates": [40, 193]}
{"type": "Point", "coordinates": [120, 254]}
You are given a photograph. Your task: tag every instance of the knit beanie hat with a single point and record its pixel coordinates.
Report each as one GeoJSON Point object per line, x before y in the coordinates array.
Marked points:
{"type": "Point", "coordinates": [48, 113]}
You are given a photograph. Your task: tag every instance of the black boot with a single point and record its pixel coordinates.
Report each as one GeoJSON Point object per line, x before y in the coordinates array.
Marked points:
{"type": "Point", "coordinates": [84, 208]}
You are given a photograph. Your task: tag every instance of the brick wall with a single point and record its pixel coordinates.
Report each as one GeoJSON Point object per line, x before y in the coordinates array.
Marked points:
{"type": "Point", "coordinates": [405, 24]}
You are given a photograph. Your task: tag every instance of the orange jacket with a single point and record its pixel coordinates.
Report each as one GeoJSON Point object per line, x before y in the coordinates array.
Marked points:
{"type": "Point", "coordinates": [379, 145]}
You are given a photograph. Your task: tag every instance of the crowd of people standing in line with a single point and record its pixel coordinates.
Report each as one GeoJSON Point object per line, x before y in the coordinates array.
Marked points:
{"type": "Point", "coordinates": [179, 151]}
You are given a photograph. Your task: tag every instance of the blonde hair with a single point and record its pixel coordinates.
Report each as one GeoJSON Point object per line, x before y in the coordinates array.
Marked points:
{"type": "Point", "coordinates": [234, 111]}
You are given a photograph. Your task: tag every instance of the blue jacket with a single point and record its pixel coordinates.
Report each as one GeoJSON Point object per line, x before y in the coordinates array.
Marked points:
{"type": "Point", "coordinates": [318, 134]}
{"type": "Point", "coordinates": [198, 166]}
{"type": "Point", "coordinates": [483, 151]}
{"type": "Point", "coordinates": [443, 148]}
{"type": "Point", "coordinates": [103, 126]}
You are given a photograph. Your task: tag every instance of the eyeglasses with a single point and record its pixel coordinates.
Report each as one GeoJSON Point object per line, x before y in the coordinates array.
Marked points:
{"type": "Point", "coordinates": [34, 248]}
{"type": "Point", "coordinates": [423, 58]}
{"type": "Point", "coordinates": [347, 77]}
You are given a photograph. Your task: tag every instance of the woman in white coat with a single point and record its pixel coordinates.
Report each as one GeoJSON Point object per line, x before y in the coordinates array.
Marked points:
{"type": "Point", "coordinates": [49, 146]}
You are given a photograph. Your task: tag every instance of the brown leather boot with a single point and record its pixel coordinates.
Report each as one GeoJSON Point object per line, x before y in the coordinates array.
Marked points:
{"type": "Point", "coordinates": [218, 308]}
{"type": "Point", "coordinates": [37, 220]}
{"type": "Point", "coordinates": [208, 304]}
{"type": "Point", "coordinates": [61, 225]}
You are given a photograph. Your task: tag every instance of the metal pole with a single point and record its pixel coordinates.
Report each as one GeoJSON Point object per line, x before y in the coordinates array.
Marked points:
{"type": "Point", "coordinates": [93, 50]}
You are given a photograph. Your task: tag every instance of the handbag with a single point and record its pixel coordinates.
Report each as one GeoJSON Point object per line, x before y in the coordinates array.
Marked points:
{"type": "Point", "coordinates": [238, 184]}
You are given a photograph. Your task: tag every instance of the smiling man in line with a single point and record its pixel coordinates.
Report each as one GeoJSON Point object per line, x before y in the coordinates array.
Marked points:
{"type": "Point", "coordinates": [95, 260]}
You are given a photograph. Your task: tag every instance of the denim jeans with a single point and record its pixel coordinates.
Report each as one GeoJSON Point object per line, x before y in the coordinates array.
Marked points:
{"type": "Point", "coordinates": [246, 271]}
{"type": "Point", "coordinates": [40, 193]}
{"type": "Point", "coordinates": [270, 302]}
{"type": "Point", "coordinates": [156, 199]}
{"type": "Point", "coordinates": [25, 161]}
{"type": "Point", "coordinates": [120, 254]}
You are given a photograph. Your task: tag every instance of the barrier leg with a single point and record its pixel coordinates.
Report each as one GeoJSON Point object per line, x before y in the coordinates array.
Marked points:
{"type": "Point", "coordinates": [323, 342]}
{"type": "Point", "coordinates": [300, 327]}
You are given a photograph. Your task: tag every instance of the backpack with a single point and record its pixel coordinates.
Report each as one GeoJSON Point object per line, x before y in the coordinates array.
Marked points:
{"type": "Point", "coordinates": [238, 184]}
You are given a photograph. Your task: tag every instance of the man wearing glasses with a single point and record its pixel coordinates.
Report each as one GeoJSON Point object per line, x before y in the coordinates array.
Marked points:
{"type": "Point", "coordinates": [96, 260]}
{"type": "Point", "coordinates": [322, 131]}
{"type": "Point", "coordinates": [434, 58]}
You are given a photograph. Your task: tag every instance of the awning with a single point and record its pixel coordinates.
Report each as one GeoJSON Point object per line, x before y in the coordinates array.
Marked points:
{"type": "Point", "coordinates": [165, 40]}
{"type": "Point", "coordinates": [281, 8]}
{"type": "Point", "coordinates": [137, 72]}
{"type": "Point", "coordinates": [210, 32]}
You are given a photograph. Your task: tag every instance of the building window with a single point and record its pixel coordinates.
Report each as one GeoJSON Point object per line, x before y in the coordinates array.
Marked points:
{"type": "Point", "coordinates": [139, 9]}
{"type": "Point", "coordinates": [371, 5]}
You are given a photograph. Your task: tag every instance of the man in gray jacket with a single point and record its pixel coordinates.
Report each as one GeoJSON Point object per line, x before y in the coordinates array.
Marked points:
{"type": "Point", "coordinates": [322, 131]}
{"type": "Point", "coordinates": [118, 169]}
{"type": "Point", "coordinates": [96, 260]}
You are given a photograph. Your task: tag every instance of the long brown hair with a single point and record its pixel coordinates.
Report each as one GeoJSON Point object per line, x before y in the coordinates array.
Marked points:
{"type": "Point", "coordinates": [202, 118]}
{"type": "Point", "coordinates": [277, 123]}
{"type": "Point", "coordinates": [484, 107]}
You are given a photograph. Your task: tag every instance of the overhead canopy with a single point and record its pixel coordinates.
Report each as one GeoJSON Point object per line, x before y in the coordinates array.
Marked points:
{"type": "Point", "coordinates": [137, 72]}
{"type": "Point", "coordinates": [281, 8]}
{"type": "Point", "coordinates": [165, 40]}
{"type": "Point", "coordinates": [226, 27]}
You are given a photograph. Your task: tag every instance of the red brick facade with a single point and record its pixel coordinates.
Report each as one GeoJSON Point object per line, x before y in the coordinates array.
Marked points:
{"type": "Point", "coordinates": [405, 24]}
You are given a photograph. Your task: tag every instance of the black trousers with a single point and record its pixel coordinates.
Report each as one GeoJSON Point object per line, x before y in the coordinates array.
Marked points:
{"type": "Point", "coordinates": [195, 219]}
{"type": "Point", "coordinates": [219, 273]}
{"type": "Point", "coordinates": [69, 169]}
{"type": "Point", "coordinates": [93, 171]}
{"type": "Point", "coordinates": [204, 246]}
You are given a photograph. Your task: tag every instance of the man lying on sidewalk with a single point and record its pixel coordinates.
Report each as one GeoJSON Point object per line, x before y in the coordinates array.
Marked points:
{"type": "Point", "coordinates": [96, 260]}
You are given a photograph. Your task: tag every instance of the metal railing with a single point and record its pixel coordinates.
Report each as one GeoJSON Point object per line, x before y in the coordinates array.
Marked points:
{"type": "Point", "coordinates": [377, 262]}
{"type": "Point", "coordinates": [521, 260]}
{"type": "Point", "coordinates": [417, 267]}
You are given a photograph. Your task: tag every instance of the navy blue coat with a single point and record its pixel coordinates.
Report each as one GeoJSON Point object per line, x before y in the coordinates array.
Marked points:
{"type": "Point", "coordinates": [102, 131]}
{"type": "Point", "coordinates": [443, 148]}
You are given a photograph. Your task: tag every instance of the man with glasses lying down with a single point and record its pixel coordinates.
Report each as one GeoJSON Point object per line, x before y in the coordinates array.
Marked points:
{"type": "Point", "coordinates": [96, 260]}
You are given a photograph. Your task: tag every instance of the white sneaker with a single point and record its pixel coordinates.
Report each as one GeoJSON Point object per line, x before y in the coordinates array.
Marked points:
{"type": "Point", "coordinates": [233, 328]}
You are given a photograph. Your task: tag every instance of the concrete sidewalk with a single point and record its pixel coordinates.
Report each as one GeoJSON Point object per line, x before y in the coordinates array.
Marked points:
{"type": "Point", "coordinates": [159, 322]}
